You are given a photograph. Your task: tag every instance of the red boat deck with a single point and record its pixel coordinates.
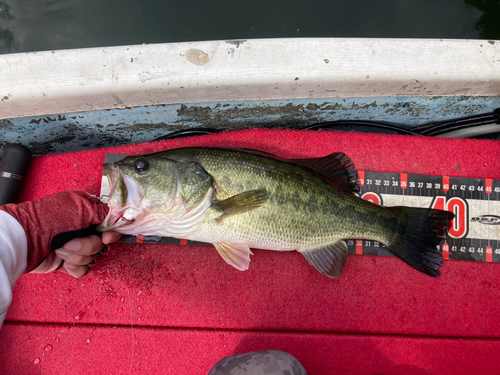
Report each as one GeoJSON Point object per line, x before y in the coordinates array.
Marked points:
{"type": "Point", "coordinates": [179, 309]}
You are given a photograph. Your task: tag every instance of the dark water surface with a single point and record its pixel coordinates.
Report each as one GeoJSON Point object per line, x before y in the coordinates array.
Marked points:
{"type": "Point", "coordinates": [36, 25]}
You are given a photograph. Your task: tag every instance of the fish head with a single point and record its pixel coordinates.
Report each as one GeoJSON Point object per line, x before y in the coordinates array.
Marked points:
{"type": "Point", "coordinates": [140, 186]}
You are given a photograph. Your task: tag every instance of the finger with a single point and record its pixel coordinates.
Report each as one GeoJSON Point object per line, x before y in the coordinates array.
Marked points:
{"type": "Point", "coordinates": [50, 263]}
{"type": "Point", "coordinates": [76, 259]}
{"type": "Point", "coordinates": [74, 270]}
{"type": "Point", "coordinates": [110, 237]}
{"type": "Point", "coordinates": [84, 246]}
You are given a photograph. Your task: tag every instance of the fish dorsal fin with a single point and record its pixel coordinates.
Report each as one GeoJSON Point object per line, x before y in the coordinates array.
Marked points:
{"type": "Point", "coordinates": [338, 168]}
{"type": "Point", "coordinates": [330, 260]}
{"type": "Point", "coordinates": [240, 203]}
{"type": "Point", "coordinates": [235, 254]}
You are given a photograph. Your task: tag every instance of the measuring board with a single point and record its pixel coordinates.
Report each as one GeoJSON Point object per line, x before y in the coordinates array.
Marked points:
{"type": "Point", "coordinates": [474, 233]}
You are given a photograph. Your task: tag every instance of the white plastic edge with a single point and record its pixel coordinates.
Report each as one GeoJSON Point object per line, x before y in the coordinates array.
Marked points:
{"type": "Point", "coordinates": [42, 83]}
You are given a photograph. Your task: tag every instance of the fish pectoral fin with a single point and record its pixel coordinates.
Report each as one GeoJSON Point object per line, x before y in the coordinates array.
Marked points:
{"type": "Point", "coordinates": [330, 260]}
{"type": "Point", "coordinates": [235, 254]}
{"type": "Point", "coordinates": [240, 203]}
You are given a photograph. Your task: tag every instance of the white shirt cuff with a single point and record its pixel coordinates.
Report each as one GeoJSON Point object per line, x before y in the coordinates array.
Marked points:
{"type": "Point", "coordinates": [13, 258]}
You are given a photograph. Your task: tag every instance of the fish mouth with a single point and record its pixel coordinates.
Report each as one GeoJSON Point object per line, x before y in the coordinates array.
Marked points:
{"type": "Point", "coordinates": [124, 199]}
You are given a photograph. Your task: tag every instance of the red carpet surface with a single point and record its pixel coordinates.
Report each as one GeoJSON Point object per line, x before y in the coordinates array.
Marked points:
{"type": "Point", "coordinates": [174, 309]}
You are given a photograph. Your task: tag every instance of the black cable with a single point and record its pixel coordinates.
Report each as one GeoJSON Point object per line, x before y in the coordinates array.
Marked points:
{"type": "Point", "coordinates": [430, 129]}
{"type": "Point", "coordinates": [464, 122]}
{"type": "Point", "coordinates": [356, 123]}
{"type": "Point", "coordinates": [188, 133]}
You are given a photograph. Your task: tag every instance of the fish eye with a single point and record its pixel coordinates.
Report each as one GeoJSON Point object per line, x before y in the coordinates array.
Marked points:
{"type": "Point", "coordinates": [141, 165]}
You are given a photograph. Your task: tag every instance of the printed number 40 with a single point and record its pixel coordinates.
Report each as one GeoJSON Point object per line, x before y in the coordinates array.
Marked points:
{"type": "Point", "coordinates": [460, 224]}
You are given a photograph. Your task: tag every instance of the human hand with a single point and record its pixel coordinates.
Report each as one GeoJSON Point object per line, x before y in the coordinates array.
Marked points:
{"type": "Point", "coordinates": [77, 255]}
{"type": "Point", "coordinates": [54, 215]}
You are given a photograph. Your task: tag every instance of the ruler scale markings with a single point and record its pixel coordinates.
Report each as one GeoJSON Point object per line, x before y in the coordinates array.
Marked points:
{"type": "Point", "coordinates": [402, 186]}
{"type": "Point", "coordinates": [463, 196]}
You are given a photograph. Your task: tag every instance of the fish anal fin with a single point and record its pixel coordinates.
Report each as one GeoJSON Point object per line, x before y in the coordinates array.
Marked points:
{"type": "Point", "coordinates": [237, 255]}
{"type": "Point", "coordinates": [240, 203]}
{"type": "Point", "coordinates": [338, 168]}
{"type": "Point", "coordinates": [330, 260]}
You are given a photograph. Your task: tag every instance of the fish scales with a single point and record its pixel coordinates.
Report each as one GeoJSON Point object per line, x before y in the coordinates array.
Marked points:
{"type": "Point", "coordinates": [303, 210]}
{"type": "Point", "coordinates": [242, 199]}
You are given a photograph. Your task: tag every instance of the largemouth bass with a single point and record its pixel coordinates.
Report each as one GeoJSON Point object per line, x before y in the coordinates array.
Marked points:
{"type": "Point", "coordinates": [242, 199]}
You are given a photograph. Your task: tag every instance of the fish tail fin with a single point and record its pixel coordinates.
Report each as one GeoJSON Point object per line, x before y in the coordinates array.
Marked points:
{"type": "Point", "coordinates": [418, 233]}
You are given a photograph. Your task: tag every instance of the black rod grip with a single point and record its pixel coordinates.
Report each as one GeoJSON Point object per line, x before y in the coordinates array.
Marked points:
{"type": "Point", "coordinates": [15, 163]}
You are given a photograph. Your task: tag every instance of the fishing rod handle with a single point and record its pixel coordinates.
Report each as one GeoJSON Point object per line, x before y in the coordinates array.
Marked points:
{"type": "Point", "coordinates": [15, 163]}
